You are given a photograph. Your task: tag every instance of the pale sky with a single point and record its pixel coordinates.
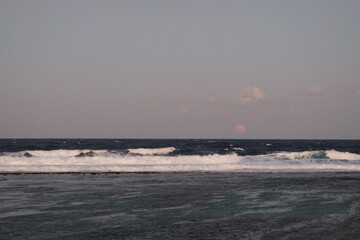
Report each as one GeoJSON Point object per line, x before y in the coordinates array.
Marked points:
{"type": "Point", "coordinates": [180, 69]}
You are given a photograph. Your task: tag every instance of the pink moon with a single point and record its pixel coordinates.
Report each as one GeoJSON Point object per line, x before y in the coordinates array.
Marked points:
{"type": "Point", "coordinates": [240, 128]}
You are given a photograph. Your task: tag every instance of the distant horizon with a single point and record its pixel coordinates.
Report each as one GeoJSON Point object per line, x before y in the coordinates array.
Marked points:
{"type": "Point", "coordinates": [310, 139]}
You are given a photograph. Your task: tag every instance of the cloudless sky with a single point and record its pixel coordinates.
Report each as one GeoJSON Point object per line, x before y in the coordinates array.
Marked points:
{"type": "Point", "coordinates": [180, 69]}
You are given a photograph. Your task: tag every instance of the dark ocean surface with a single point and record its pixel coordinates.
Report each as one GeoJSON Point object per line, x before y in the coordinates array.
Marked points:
{"type": "Point", "coordinates": [183, 146]}
{"type": "Point", "coordinates": [179, 189]}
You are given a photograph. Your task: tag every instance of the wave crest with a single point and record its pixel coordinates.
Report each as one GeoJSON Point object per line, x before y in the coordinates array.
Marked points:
{"type": "Point", "coordinates": [330, 154]}
{"type": "Point", "coordinates": [151, 151]}
{"type": "Point", "coordinates": [60, 153]}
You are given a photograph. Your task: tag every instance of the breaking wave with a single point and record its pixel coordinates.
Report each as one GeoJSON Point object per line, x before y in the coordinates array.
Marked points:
{"type": "Point", "coordinates": [61, 153]}
{"type": "Point", "coordinates": [158, 160]}
{"type": "Point", "coordinates": [330, 154]}
{"type": "Point", "coordinates": [238, 149]}
{"type": "Point", "coordinates": [152, 151]}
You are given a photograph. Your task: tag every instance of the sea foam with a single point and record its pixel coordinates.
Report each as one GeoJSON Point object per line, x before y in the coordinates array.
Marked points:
{"type": "Point", "coordinates": [157, 160]}
{"type": "Point", "coordinates": [330, 154]}
{"type": "Point", "coordinates": [151, 151]}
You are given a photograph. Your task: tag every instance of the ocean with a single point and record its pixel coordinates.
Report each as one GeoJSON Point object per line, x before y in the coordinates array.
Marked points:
{"type": "Point", "coordinates": [179, 189]}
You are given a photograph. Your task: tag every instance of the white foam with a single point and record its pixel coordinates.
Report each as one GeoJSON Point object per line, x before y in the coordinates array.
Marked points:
{"type": "Point", "coordinates": [61, 152]}
{"type": "Point", "coordinates": [151, 151]}
{"type": "Point", "coordinates": [330, 154]}
{"type": "Point", "coordinates": [238, 149]}
{"type": "Point", "coordinates": [104, 161]}
{"type": "Point", "coordinates": [116, 163]}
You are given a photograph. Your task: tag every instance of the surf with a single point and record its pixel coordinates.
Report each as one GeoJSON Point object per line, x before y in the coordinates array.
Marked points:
{"type": "Point", "coordinates": [162, 160]}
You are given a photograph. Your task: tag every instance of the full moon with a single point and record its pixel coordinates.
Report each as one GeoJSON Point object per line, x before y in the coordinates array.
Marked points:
{"type": "Point", "coordinates": [240, 128]}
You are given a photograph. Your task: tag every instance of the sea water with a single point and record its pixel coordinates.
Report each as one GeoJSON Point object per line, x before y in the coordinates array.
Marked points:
{"type": "Point", "coordinates": [137, 155]}
{"type": "Point", "coordinates": [179, 189]}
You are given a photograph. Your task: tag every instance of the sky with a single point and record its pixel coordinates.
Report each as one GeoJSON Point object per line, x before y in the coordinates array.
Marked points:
{"type": "Point", "coordinates": [180, 69]}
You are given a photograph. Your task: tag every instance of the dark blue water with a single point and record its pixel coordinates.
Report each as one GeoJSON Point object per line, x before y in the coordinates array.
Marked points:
{"type": "Point", "coordinates": [183, 146]}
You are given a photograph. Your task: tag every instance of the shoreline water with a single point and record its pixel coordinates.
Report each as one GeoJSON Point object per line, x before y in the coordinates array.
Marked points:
{"type": "Point", "coordinates": [192, 205]}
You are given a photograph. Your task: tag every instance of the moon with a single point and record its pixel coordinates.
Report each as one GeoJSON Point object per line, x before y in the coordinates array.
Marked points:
{"type": "Point", "coordinates": [240, 128]}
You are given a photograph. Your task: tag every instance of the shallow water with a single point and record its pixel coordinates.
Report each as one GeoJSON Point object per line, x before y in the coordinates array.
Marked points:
{"type": "Point", "coordinates": [193, 205]}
